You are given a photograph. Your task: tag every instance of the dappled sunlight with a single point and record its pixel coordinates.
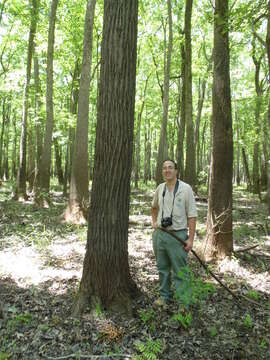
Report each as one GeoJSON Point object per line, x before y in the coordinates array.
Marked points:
{"type": "Point", "coordinates": [26, 266]}
{"type": "Point", "coordinates": [258, 281]}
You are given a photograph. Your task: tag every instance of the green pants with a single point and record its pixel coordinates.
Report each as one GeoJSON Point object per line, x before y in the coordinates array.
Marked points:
{"type": "Point", "coordinates": [171, 260]}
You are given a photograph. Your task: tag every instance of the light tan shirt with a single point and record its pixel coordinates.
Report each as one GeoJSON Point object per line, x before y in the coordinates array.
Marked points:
{"type": "Point", "coordinates": [184, 205]}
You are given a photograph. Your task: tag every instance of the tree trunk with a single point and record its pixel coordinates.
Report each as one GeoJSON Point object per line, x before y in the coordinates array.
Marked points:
{"type": "Point", "coordinates": [190, 168]}
{"type": "Point", "coordinates": [38, 117]}
{"type": "Point", "coordinates": [20, 190]}
{"type": "Point", "coordinates": [58, 163]}
{"type": "Point", "coordinates": [43, 176]}
{"type": "Point", "coordinates": [219, 239]}
{"type": "Point", "coordinates": [137, 157]}
{"type": "Point", "coordinates": [246, 168]}
{"type": "Point", "coordinates": [106, 277]}
{"type": "Point", "coordinates": [163, 140]}
{"type": "Point", "coordinates": [76, 210]}
{"type": "Point", "coordinates": [6, 143]}
{"type": "Point", "coordinates": [202, 87]}
{"type": "Point", "coordinates": [268, 112]}
{"type": "Point", "coordinates": [14, 149]}
{"type": "Point", "coordinates": [238, 178]}
{"type": "Point", "coordinates": [257, 115]}
{"type": "Point", "coordinates": [182, 124]}
{"type": "Point", "coordinates": [31, 160]}
{"type": "Point", "coordinates": [2, 135]}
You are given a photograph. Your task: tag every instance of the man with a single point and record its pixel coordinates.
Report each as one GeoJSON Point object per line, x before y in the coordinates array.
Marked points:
{"type": "Point", "coordinates": [173, 208]}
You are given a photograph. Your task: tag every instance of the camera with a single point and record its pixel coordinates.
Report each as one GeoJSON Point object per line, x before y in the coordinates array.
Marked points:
{"type": "Point", "coordinates": [167, 221]}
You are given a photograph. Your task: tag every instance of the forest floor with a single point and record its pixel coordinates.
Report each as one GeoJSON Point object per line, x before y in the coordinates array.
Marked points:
{"type": "Point", "coordinates": [40, 268]}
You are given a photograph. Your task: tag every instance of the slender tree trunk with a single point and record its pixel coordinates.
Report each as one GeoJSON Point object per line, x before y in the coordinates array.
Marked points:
{"type": "Point", "coordinates": [38, 117]}
{"type": "Point", "coordinates": [2, 135]}
{"type": "Point", "coordinates": [238, 178]}
{"type": "Point", "coordinates": [58, 163]}
{"type": "Point", "coordinates": [137, 153]}
{"type": "Point", "coordinates": [182, 125]}
{"type": "Point", "coordinates": [31, 160]}
{"type": "Point", "coordinates": [79, 193]}
{"type": "Point", "coordinates": [163, 140]}
{"type": "Point", "coordinates": [106, 277]}
{"type": "Point", "coordinates": [6, 143]}
{"type": "Point", "coordinates": [246, 168]}
{"type": "Point", "coordinates": [14, 149]}
{"type": "Point", "coordinates": [219, 239]}
{"type": "Point", "coordinates": [43, 176]}
{"type": "Point", "coordinates": [190, 168]}
{"type": "Point", "coordinates": [20, 190]}
{"type": "Point", "coordinates": [202, 86]}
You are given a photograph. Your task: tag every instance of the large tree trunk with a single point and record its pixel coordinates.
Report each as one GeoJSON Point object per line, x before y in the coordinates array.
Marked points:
{"type": "Point", "coordinates": [219, 239]}
{"type": "Point", "coordinates": [268, 113]}
{"type": "Point", "coordinates": [106, 277]}
{"type": "Point", "coordinates": [20, 191]}
{"type": "Point", "coordinates": [163, 140]}
{"type": "Point", "coordinates": [76, 210]}
{"type": "Point", "coordinates": [190, 168]}
{"type": "Point", "coordinates": [43, 176]}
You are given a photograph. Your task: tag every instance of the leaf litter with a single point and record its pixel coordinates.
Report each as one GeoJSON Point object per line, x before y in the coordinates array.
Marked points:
{"type": "Point", "coordinates": [40, 269]}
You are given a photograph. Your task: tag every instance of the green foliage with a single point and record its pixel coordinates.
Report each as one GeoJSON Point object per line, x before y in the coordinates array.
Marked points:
{"type": "Point", "coordinates": [268, 322]}
{"type": "Point", "coordinates": [146, 315]}
{"type": "Point", "coordinates": [253, 294]}
{"type": "Point", "coordinates": [185, 319]}
{"type": "Point", "coordinates": [149, 350]}
{"type": "Point", "coordinates": [19, 320]}
{"type": "Point", "coordinates": [248, 322]}
{"type": "Point", "coordinates": [4, 356]}
{"type": "Point", "coordinates": [213, 331]}
{"type": "Point", "coordinates": [200, 289]}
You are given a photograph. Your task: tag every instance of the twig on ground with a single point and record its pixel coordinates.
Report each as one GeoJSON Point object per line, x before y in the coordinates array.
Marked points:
{"type": "Point", "coordinates": [81, 356]}
{"type": "Point", "coordinates": [245, 249]}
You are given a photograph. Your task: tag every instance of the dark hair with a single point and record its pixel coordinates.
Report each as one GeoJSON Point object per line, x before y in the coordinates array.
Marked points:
{"type": "Point", "coordinates": [175, 164]}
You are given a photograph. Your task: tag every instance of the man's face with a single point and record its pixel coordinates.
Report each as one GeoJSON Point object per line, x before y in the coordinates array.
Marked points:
{"type": "Point", "coordinates": [168, 170]}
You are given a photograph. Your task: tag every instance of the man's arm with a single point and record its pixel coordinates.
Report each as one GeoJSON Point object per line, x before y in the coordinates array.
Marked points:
{"type": "Point", "coordinates": [154, 213]}
{"type": "Point", "coordinates": [191, 232]}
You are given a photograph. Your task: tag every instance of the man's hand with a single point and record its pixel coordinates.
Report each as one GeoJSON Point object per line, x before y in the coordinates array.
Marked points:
{"type": "Point", "coordinates": [189, 245]}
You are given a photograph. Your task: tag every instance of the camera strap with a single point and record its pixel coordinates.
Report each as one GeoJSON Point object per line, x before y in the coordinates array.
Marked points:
{"type": "Point", "coordinates": [174, 193]}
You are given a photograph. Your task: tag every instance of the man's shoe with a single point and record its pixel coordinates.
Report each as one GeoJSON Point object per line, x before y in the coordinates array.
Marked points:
{"type": "Point", "coordinates": [161, 303]}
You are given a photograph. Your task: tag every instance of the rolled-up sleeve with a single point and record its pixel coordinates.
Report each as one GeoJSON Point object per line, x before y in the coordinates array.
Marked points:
{"type": "Point", "coordinates": [191, 204]}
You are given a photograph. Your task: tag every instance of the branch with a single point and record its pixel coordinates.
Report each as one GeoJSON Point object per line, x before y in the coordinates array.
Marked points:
{"type": "Point", "coordinates": [81, 356]}
{"type": "Point", "coordinates": [245, 249]}
{"type": "Point", "coordinates": [257, 35]}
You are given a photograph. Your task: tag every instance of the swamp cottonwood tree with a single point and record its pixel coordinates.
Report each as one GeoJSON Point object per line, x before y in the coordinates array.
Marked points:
{"type": "Point", "coordinates": [163, 140]}
{"type": "Point", "coordinates": [43, 173]}
{"type": "Point", "coordinates": [79, 194]}
{"type": "Point", "coordinates": [219, 240]}
{"type": "Point", "coordinates": [20, 190]}
{"type": "Point", "coordinates": [106, 276]}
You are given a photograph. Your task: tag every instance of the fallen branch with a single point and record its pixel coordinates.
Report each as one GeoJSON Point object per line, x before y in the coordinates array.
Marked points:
{"type": "Point", "coordinates": [246, 249]}
{"type": "Point", "coordinates": [81, 356]}
{"type": "Point", "coordinates": [236, 297]}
